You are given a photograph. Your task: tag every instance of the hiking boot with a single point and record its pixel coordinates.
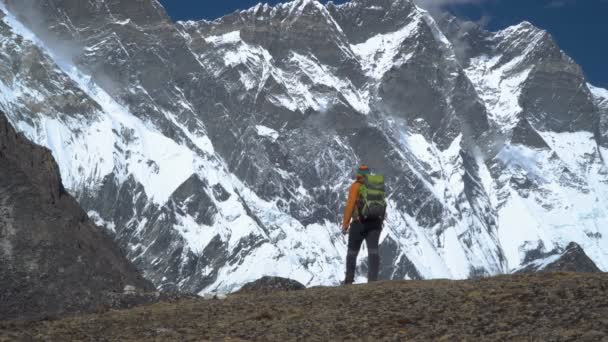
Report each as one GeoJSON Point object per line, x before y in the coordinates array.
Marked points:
{"type": "Point", "coordinates": [348, 281]}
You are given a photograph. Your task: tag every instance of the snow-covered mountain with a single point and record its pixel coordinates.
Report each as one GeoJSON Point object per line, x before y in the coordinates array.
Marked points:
{"type": "Point", "coordinates": [221, 151]}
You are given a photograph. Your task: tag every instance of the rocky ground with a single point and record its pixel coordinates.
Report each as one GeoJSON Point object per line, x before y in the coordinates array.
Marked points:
{"type": "Point", "coordinates": [543, 307]}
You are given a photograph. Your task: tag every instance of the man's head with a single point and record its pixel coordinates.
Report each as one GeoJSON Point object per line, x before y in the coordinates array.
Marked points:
{"type": "Point", "coordinates": [363, 171]}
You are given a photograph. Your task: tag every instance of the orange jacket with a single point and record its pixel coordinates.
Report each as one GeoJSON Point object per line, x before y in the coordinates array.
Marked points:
{"type": "Point", "coordinates": [351, 203]}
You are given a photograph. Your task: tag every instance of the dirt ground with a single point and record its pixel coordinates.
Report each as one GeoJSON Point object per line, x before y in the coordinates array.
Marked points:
{"type": "Point", "coordinates": [537, 307]}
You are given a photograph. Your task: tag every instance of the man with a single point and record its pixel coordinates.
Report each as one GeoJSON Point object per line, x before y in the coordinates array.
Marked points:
{"type": "Point", "coordinates": [366, 207]}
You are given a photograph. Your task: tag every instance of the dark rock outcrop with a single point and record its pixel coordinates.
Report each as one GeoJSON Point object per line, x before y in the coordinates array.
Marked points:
{"type": "Point", "coordinates": [572, 259]}
{"type": "Point", "coordinates": [53, 259]}
{"type": "Point", "coordinates": [271, 284]}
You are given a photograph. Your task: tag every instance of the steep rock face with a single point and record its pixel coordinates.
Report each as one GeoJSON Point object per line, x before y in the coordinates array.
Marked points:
{"type": "Point", "coordinates": [363, 19]}
{"type": "Point", "coordinates": [601, 99]}
{"type": "Point", "coordinates": [54, 260]}
{"type": "Point", "coordinates": [551, 166]}
{"type": "Point", "coordinates": [217, 152]}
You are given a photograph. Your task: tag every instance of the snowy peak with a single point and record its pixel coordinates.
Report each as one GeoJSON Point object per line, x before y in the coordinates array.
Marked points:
{"type": "Point", "coordinates": [522, 72]}
{"type": "Point", "coordinates": [362, 19]}
{"type": "Point", "coordinates": [283, 11]}
{"type": "Point", "coordinates": [304, 26]}
{"type": "Point", "coordinates": [600, 97]}
{"type": "Point", "coordinates": [528, 44]}
{"type": "Point", "coordinates": [520, 41]}
{"type": "Point", "coordinates": [382, 52]}
{"type": "Point", "coordinates": [300, 7]}
{"type": "Point", "coordinates": [283, 14]}
{"type": "Point", "coordinates": [308, 15]}
{"type": "Point", "coordinates": [524, 27]}
{"type": "Point", "coordinates": [68, 19]}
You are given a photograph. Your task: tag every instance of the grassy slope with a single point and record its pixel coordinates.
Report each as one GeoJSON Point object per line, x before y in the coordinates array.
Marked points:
{"type": "Point", "coordinates": [545, 307]}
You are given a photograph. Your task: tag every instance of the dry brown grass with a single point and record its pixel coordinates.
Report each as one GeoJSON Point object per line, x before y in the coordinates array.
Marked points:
{"type": "Point", "coordinates": [541, 307]}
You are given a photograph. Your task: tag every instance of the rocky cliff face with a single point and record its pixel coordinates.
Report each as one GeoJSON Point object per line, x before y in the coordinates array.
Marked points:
{"type": "Point", "coordinates": [54, 260]}
{"type": "Point", "coordinates": [217, 152]}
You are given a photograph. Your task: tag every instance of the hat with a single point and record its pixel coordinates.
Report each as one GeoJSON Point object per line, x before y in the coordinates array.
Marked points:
{"type": "Point", "coordinates": [363, 170]}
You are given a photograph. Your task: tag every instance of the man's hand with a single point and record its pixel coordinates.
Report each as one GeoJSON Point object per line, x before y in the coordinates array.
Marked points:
{"type": "Point", "coordinates": [344, 230]}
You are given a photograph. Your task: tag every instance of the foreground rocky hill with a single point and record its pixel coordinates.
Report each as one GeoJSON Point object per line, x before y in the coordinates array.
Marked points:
{"type": "Point", "coordinates": [53, 259]}
{"type": "Point", "coordinates": [539, 307]}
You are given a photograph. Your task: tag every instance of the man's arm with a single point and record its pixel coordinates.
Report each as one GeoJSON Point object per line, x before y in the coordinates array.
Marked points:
{"type": "Point", "coordinates": [353, 195]}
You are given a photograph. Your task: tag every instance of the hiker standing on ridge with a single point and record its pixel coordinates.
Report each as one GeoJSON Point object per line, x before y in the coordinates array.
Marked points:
{"type": "Point", "coordinates": [366, 206]}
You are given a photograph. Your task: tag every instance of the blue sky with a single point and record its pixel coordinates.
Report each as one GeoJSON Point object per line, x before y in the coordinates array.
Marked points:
{"type": "Point", "coordinates": [579, 26]}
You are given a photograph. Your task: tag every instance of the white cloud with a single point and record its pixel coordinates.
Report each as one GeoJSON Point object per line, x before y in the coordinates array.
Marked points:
{"type": "Point", "coordinates": [484, 20]}
{"type": "Point", "coordinates": [437, 6]}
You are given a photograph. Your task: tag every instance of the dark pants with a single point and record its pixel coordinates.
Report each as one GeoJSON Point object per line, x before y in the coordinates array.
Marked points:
{"type": "Point", "coordinates": [370, 232]}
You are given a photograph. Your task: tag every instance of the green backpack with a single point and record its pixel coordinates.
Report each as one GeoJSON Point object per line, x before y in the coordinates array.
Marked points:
{"type": "Point", "coordinates": [372, 198]}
